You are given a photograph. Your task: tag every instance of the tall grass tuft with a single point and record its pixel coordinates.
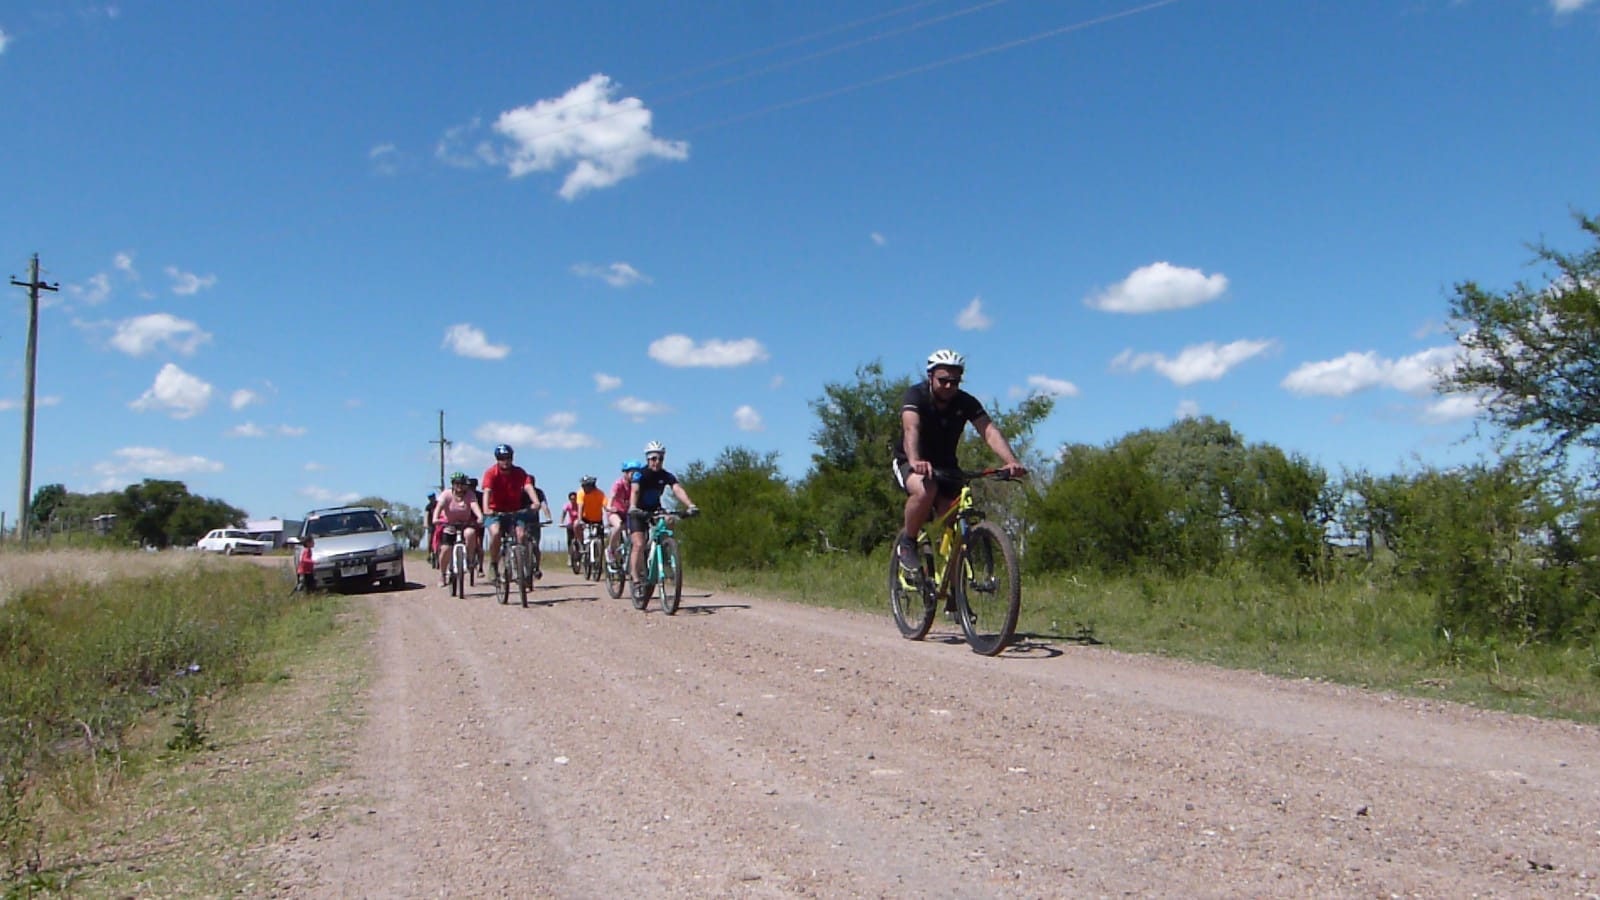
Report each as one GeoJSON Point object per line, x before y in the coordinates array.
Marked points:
{"type": "Point", "coordinates": [82, 660]}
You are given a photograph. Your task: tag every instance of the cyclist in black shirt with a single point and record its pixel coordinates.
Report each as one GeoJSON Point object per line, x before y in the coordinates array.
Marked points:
{"type": "Point", "coordinates": [932, 417]}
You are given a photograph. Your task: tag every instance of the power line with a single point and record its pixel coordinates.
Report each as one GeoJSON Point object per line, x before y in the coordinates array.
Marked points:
{"type": "Point", "coordinates": [34, 286]}
{"type": "Point", "coordinates": [938, 64]}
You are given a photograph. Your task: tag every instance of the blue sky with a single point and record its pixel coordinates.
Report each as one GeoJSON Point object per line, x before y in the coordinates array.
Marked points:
{"type": "Point", "coordinates": [288, 234]}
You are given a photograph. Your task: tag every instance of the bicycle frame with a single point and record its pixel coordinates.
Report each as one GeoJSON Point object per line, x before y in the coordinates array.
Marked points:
{"type": "Point", "coordinates": [660, 528]}
{"type": "Point", "coordinates": [950, 527]}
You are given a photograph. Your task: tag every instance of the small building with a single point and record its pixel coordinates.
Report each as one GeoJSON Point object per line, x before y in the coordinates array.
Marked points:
{"type": "Point", "coordinates": [274, 529]}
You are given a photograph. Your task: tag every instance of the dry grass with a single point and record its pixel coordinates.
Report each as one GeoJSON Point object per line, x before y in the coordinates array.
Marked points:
{"type": "Point", "coordinates": [22, 570]}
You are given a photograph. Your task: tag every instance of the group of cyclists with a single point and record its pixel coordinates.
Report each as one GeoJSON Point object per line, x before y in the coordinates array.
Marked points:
{"type": "Point", "coordinates": [933, 415]}
{"type": "Point", "coordinates": [510, 498]}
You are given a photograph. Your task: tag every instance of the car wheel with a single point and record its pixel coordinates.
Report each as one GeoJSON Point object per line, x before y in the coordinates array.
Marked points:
{"type": "Point", "coordinates": [228, 550]}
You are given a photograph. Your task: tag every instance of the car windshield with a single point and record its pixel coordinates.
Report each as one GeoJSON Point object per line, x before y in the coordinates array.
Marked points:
{"type": "Point", "coordinates": [344, 523]}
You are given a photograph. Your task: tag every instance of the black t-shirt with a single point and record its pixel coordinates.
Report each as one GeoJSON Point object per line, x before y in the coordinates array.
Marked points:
{"type": "Point", "coordinates": [940, 429]}
{"type": "Point", "coordinates": [651, 484]}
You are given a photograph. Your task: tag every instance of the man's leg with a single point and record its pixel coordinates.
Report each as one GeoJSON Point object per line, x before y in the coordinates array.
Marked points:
{"type": "Point", "coordinates": [920, 494]}
{"type": "Point", "coordinates": [494, 545]}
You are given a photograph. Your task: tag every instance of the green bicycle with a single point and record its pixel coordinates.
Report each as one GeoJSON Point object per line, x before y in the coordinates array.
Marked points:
{"type": "Point", "coordinates": [663, 564]}
{"type": "Point", "coordinates": [966, 561]}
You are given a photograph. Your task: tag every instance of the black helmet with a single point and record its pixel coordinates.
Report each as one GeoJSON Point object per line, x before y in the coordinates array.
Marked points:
{"type": "Point", "coordinates": [503, 451]}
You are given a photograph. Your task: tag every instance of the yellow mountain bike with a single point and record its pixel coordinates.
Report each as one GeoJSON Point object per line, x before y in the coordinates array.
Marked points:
{"type": "Point", "coordinates": [967, 562]}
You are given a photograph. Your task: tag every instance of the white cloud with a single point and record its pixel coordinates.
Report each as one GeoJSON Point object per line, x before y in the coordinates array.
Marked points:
{"type": "Point", "coordinates": [1355, 372]}
{"type": "Point", "coordinates": [95, 290]}
{"type": "Point", "coordinates": [1561, 7]}
{"type": "Point", "coordinates": [124, 264]}
{"type": "Point", "coordinates": [600, 141]}
{"type": "Point", "coordinates": [1158, 287]}
{"type": "Point", "coordinates": [747, 419]}
{"type": "Point", "coordinates": [561, 420]}
{"type": "Point", "coordinates": [452, 149]}
{"type": "Point", "coordinates": [972, 318]}
{"type": "Point", "coordinates": [1187, 409]}
{"type": "Point", "coordinates": [242, 398]}
{"type": "Point", "coordinates": [246, 430]}
{"type": "Point", "coordinates": [604, 382]}
{"type": "Point", "coordinates": [292, 430]}
{"type": "Point", "coordinates": [775, 383]}
{"type": "Point", "coordinates": [1053, 387]}
{"type": "Point", "coordinates": [465, 340]}
{"type": "Point", "coordinates": [176, 393]}
{"type": "Point", "coordinates": [5, 40]}
{"type": "Point", "coordinates": [7, 404]}
{"type": "Point", "coordinates": [1199, 362]}
{"type": "Point", "coordinates": [138, 462]}
{"type": "Point", "coordinates": [315, 467]}
{"type": "Point", "coordinates": [1452, 408]}
{"type": "Point", "coordinates": [188, 283]}
{"type": "Point", "coordinates": [384, 159]}
{"type": "Point", "coordinates": [879, 239]}
{"type": "Point", "coordinates": [323, 495]}
{"type": "Point", "coordinates": [679, 350]}
{"type": "Point", "coordinates": [618, 274]}
{"type": "Point", "coordinates": [638, 410]}
{"type": "Point", "coordinates": [529, 437]}
{"type": "Point", "coordinates": [141, 334]}
{"type": "Point", "coordinates": [468, 457]}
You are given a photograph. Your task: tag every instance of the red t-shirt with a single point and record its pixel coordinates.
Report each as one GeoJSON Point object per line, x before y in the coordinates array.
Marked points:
{"type": "Point", "coordinates": [304, 566]}
{"type": "Point", "coordinates": [503, 488]}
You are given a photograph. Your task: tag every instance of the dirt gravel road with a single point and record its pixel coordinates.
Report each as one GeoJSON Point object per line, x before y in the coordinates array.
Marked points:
{"type": "Point", "coordinates": [751, 748]}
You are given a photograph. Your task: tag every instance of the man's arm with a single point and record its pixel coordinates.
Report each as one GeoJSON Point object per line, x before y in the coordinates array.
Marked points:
{"type": "Point", "coordinates": [911, 425]}
{"type": "Point", "coordinates": [997, 442]}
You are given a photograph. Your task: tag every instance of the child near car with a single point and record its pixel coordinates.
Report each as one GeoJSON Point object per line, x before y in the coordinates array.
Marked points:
{"type": "Point", "coordinates": [303, 568]}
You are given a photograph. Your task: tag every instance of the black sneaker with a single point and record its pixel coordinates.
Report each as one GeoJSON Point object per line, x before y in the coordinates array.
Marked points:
{"type": "Point", "coordinates": [906, 553]}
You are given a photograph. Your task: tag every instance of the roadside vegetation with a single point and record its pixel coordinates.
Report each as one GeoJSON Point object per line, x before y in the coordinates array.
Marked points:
{"type": "Point", "coordinates": [108, 688]}
{"type": "Point", "coordinates": [1478, 583]}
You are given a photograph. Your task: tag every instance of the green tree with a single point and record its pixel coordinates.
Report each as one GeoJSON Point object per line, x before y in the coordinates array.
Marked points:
{"type": "Point", "coordinates": [1531, 352]}
{"type": "Point", "coordinates": [45, 502]}
{"type": "Point", "coordinates": [849, 498]}
{"type": "Point", "coordinates": [159, 513]}
{"type": "Point", "coordinates": [749, 518]}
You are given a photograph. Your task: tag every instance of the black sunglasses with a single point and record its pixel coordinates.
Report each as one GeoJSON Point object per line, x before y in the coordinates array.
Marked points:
{"type": "Point", "coordinates": [946, 381]}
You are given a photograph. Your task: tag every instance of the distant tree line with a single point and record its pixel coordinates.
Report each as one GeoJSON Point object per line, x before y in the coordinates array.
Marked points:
{"type": "Point", "coordinates": [154, 513]}
{"type": "Point", "coordinates": [1507, 546]}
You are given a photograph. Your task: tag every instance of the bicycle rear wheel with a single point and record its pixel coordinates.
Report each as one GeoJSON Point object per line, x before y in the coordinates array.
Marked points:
{"type": "Point", "coordinates": [574, 558]}
{"type": "Point", "coordinates": [988, 589]}
{"type": "Point", "coordinates": [671, 576]}
{"type": "Point", "coordinates": [913, 612]}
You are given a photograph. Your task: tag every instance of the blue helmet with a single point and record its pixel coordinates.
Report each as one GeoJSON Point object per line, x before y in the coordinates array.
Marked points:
{"type": "Point", "coordinates": [632, 465]}
{"type": "Point", "coordinates": [503, 451]}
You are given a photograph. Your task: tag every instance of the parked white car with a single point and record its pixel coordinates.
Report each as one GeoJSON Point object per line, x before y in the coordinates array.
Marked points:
{"type": "Point", "coordinates": [231, 541]}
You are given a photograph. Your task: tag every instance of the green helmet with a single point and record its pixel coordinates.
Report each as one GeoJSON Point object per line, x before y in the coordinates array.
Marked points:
{"type": "Point", "coordinates": [458, 477]}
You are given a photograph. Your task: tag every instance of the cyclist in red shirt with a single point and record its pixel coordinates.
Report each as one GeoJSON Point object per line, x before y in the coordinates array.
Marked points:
{"type": "Point", "coordinates": [512, 500]}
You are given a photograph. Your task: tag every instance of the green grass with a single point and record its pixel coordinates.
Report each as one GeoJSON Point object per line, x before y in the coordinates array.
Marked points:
{"type": "Point", "coordinates": [1355, 631]}
{"type": "Point", "coordinates": [111, 684]}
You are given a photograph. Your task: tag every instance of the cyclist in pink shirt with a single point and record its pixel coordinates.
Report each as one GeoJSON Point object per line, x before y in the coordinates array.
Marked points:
{"type": "Point", "coordinates": [617, 509]}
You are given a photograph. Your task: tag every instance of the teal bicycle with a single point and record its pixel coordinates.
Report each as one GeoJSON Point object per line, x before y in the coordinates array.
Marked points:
{"type": "Point", "coordinates": [967, 562]}
{"type": "Point", "coordinates": [663, 564]}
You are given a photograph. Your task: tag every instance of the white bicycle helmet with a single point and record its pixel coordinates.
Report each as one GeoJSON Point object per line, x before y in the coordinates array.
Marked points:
{"type": "Point", "coordinates": [655, 447]}
{"type": "Point", "coordinates": [946, 359]}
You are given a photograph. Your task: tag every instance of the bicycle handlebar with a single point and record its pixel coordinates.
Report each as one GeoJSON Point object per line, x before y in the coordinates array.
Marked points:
{"type": "Point", "coordinates": [964, 475]}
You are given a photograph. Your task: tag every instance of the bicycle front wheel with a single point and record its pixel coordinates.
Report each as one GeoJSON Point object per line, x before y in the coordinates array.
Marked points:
{"type": "Point", "coordinates": [671, 576]}
{"type": "Point", "coordinates": [988, 589]}
{"type": "Point", "coordinates": [574, 559]}
{"type": "Point", "coordinates": [913, 613]}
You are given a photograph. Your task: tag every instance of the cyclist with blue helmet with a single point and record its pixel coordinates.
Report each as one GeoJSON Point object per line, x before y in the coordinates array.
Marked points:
{"type": "Point", "coordinates": [621, 492]}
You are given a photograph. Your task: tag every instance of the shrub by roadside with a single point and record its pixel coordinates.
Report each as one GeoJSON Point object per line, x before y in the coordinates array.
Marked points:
{"type": "Point", "coordinates": [83, 664]}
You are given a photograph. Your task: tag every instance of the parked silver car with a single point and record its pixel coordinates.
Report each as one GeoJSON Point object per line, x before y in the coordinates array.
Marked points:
{"type": "Point", "coordinates": [354, 547]}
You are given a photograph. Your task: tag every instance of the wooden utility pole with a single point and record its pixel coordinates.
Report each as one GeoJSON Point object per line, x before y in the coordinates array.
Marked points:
{"type": "Point", "coordinates": [34, 286]}
{"type": "Point", "coordinates": [444, 444]}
